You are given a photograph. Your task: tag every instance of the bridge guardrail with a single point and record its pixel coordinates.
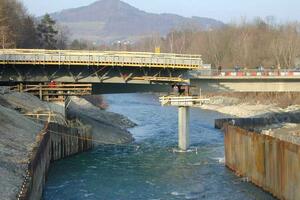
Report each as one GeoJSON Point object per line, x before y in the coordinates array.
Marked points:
{"type": "Point", "coordinates": [230, 73]}
{"type": "Point", "coordinates": [98, 58]}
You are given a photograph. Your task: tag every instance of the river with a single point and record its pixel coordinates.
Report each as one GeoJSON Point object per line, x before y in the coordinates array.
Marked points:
{"type": "Point", "coordinates": [149, 169]}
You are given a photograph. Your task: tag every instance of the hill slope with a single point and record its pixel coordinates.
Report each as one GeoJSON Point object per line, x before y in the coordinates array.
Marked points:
{"type": "Point", "coordinates": [111, 20]}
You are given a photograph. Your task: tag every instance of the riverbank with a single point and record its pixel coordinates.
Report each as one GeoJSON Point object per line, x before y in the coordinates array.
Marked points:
{"type": "Point", "coordinates": [268, 136]}
{"type": "Point", "coordinates": [17, 138]}
{"type": "Point", "coordinates": [106, 127]}
{"type": "Point", "coordinates": [267, 154]}
{"type": "Point", "coordinates": [246, 106]}
{"type": "Point", "coordinates": [23, 140]}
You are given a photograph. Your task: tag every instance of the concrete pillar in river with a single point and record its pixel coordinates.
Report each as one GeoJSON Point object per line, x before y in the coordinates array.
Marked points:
{"type": "Point", "coordinates": [183, 127]}
{"type": "Point", "coordinates": [183, 103]}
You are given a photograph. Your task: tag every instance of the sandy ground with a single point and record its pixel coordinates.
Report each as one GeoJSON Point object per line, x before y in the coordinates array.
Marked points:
{"type": "Point", "coordinates": [283, 127]}
{"type": "Point", "coordinates": [230, 106]}
{"type": "Point", "coordinates": [246, 110]}
{"type": "Point", "coordinates": [286, 131]}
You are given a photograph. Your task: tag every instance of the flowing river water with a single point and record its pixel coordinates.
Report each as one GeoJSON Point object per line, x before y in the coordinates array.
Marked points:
{"type": "Point", "coordinates": [149, 169]}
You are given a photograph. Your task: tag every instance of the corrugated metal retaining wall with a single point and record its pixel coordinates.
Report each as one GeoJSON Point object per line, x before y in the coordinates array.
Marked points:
{"type": "Point", "coordinates": [68, 141]}
{"type": "Point", "coordinates": [268, 162]}
{"type": "Point", "coordinates": [54, 142]}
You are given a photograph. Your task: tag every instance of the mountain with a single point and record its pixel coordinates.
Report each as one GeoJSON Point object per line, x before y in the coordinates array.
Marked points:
{"type": "Point", "coordinates": [112, 20]}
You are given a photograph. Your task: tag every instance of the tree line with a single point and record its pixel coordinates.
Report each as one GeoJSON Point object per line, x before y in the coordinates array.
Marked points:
{"type": "Point", "coordinates": [18, 29]}
{"type": "Point", "coordinates": [245, 44]}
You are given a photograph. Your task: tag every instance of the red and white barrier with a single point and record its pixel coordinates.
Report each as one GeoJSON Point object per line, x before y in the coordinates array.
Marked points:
{"type": "Point", "coordinates": [257, 73]}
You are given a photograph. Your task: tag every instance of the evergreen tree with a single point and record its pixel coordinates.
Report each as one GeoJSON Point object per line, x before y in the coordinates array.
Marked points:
{"type": "Point", "coordinates": [47, 33]}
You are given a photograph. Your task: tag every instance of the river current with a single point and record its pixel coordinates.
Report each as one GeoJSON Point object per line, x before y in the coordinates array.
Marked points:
{"type": "Point", "coordinates": [149, 169]}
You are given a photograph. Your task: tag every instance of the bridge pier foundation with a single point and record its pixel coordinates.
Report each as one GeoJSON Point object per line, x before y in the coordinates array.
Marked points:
{"type": "Point", "coordinates": [183, 127]}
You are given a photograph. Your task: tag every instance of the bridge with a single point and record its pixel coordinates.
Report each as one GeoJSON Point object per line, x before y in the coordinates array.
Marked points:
{"type": "Point", "coordinates": [33, 65]}
{"type": "Point", "coordinates": [230, 80]}
{"type": "Point", "coordinates": [125, 72]}
{"type": "Point", "coordinates": [55, 74]}
{"type": "Point", "coordinates": [106, 71]}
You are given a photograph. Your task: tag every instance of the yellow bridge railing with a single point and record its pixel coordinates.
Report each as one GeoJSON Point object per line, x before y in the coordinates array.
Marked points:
{"type": "Point", "coordinates": [99, 58]}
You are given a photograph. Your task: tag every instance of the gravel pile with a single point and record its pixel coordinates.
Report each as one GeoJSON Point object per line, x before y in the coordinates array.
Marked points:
{"type": "Point", "coordinates": [287, 132]}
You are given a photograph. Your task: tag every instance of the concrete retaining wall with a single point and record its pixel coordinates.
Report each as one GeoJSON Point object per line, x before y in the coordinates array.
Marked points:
{"type": "Point", "coordinates": [253, 84]}
{"type": "Point", "coordinates": [53, 143]}
{"type": "Point", "coordinates": [268, 162]}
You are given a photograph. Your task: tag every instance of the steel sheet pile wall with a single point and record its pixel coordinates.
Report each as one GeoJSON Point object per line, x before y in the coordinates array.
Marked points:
{"type": "Point", "coordinates": [68, 141]}
{"type": "Point", "coordinates": [268, 162]}
{"type": "Point", "coordinates": [53, 143]}
{"type": "Point", "coordinates": [34, 181]}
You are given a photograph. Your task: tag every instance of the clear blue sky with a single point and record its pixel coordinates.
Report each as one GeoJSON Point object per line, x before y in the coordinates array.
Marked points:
{"type": "Point", "coordinates": [225, 10]}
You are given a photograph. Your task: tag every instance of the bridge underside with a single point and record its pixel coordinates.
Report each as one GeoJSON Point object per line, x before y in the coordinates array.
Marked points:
{"type": "Point", "coordinates": [219, 85]}
{"type": "Point", "coordinates": [118, 88]}
{"type": "Point", "coordinates": [88, 74]}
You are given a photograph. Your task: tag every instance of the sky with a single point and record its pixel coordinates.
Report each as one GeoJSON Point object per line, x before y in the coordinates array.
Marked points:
{"type": "Point", "coordinates": [224, 10]}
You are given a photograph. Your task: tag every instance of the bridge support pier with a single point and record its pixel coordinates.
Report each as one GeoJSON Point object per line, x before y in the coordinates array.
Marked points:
{"type": "Point", "coordinates": [183, 127]}
{"type": "Point", "coordinates": [183, 103]}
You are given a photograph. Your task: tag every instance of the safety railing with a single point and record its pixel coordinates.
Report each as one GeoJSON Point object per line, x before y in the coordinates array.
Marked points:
{"type": "Point", "coordinates": [99, 58]}
{"type": "Point", "coordinates": [246, 73]}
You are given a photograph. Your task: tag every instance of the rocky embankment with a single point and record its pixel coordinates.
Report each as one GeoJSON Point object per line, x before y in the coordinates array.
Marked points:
{"type": "Point", "coordinates": [17, 137]}
{"type": "Point", "coordinates": [271, 114]}
{"type": "Point", "coordinates": [18, 132]}
{"type": "Point", "coordinates": [107, 127]}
